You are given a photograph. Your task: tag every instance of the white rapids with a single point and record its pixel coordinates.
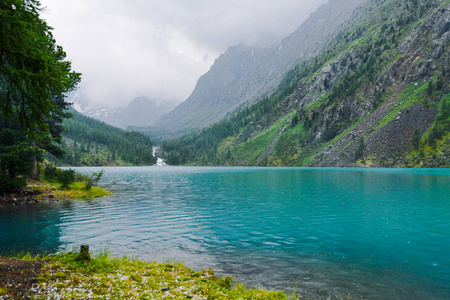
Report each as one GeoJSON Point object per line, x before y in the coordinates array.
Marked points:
{"type": "Point", "coordinates": [160, 162]}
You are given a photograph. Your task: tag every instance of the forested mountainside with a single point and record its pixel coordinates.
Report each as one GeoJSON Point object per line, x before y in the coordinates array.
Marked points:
{"type": "Point", "coordinates": [243, 73]}
{"type": "Point", "coordinates": [89, 142]}
{"type": "Point", "coordinates": [377, 95]}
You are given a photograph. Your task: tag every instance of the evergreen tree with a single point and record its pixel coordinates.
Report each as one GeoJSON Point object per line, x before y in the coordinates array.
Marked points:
{"type": "Point", "coordinates": [32, 66]}
{"type": "Point", "coordinates": [33, 78]}
{"type": "Point", "coordinates": [16, 158]}
{"type": "Point", "coordinates": [430, 88]}
{"type": "Point", "coordinates": [416, 139]}
{"type": "Point", "coordinates": [360, 151]}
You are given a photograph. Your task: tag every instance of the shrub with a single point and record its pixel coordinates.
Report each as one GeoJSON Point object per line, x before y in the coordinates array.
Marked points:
{"type": "Point", "coordinates": [9, 185]}
{"type": "Point", "coordinates": [65, 177]}
{"type": "Point", "coordinates": [90, 180]}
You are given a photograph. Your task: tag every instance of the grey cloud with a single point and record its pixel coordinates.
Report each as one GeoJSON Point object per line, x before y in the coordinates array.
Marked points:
{"type": "Point", "coordinates": [159, 48]}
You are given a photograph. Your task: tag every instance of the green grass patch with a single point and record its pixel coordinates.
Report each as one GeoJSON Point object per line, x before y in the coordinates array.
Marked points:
{"type": "Point", "coordinates": [410, 95]}
{"type": "Point", "coordinates": [287, 149]}
{"type": "Point", "coordinates": [254, 147]}
{"type": "Point", "coordinates": [66, 276]}
{"type": "Point", "coordinates": [77, 190]}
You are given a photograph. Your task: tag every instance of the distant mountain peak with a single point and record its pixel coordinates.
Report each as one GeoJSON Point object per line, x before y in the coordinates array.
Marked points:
{"type": "Point", "coordinates": [141, 111]}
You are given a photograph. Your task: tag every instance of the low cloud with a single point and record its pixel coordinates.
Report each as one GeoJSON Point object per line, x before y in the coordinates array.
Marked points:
{"type": "Point", "coordinates": [158, 49]}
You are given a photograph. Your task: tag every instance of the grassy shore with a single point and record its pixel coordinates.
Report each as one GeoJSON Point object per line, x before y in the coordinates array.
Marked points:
{"type": "Point", "coordinates": [48, 192]}
{"type": "Point", "coordinates": [77, 190]}
{"type": "Point", "coordinates": [72, 276]}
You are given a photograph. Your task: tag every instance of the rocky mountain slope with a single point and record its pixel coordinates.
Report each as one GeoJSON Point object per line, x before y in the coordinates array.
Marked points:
{"type": "Point", "coordinates": [243, 73]}
{"type": "Point", "coordinates": [377, 95]}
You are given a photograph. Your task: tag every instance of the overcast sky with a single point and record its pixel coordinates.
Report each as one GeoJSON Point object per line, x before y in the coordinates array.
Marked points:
{"type": "Point", "coordinates": [159, 48]}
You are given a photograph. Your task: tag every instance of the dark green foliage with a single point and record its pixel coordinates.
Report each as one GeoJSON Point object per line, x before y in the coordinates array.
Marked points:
{"type": "Point", "coordinates": [32, 66]}
{"type": "Point", "coordinates": [33, 78]}
{"type": "Point", "coordinates": [430, 88]}
{"type": "Point", "coordinates": [16, 158]}
{"type": "Point", "coordinates": [96, 143]}
{"type": "Point", "coordinates": [65, 177]}
{"type": "Point", "coordinates": [92, 179]}
{"type": "Point", "coordinates": [442, 124]}
{"type": "Point", "coordinates": [295, 119]}
{"type": "Point", "coordinates": [51, 141]}
{"type": "Point", "coordinates": [330, 133]}
{"type": "Point", "coordinates": [308, 123]}
{"type": "Point", "coordinates": [416, 139]}
{"type": "Point", "coordinates": [360, 151]}
{"type": "Point", "coordinates": [9, 185]}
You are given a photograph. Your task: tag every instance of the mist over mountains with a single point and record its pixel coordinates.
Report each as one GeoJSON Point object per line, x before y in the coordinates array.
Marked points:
{"type": "Point", "coordinates": [360, 83]}
{"type": "Point", "coordinates": [141, 111]}
{"type": "Point", "coordinates": [236, 79]}
{"type": "Point", "coordinates": [243, 73]}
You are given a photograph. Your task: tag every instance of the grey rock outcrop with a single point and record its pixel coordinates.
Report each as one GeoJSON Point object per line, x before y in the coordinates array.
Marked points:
{"type": "Point", "coordinates": [244, 73]}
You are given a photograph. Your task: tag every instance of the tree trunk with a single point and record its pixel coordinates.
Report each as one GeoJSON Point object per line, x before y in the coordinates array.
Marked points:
{"type": "Point", "coordinates": [34, 171]}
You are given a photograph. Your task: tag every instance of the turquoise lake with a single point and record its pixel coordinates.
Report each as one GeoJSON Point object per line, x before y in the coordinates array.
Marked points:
{"type": "Point", "coordinates": [375, 233]}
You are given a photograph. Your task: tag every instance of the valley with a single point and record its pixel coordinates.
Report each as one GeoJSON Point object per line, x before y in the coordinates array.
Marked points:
{"type": "Point", "coordinates": [377, 95]}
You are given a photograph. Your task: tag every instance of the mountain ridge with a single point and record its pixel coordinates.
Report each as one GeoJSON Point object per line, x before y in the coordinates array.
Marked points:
{"type": "Point", "coordinates": [243, 73]}
{"type": "Point", "coordinates": [140, 112]}
{"type": "Point", "coordinates": [377, 95]}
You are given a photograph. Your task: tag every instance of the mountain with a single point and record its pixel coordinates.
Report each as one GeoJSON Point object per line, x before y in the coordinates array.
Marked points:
{"type": "Point", "coordinates": [89, 142]}
{"type": "Point", "coordinates": [141, 111]}
{"type": "Point", "coordinates": [376, 95]}
{"type": "Point", "coordinates": [243, 73]}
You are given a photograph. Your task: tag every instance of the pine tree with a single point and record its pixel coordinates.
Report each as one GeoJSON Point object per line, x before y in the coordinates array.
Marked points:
{"type": "Point", "coordinates": [360, 151]}
{"type": "Point", "coordinates": [32, 66]}
{"type": "Point", "coordinates": [416, 139]}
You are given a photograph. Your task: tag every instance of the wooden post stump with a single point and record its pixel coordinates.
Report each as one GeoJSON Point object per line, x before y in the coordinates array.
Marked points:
{"type": "Point", "coordinates": [84, 252]}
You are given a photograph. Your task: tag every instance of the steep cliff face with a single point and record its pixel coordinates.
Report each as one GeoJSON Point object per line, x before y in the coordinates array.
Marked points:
{"type": "Point", "coordinates": [395, 104]}
{"type": "Point", "coordinates": [243, 73]}
{"type": "Point", "coordinates": [377, 95]}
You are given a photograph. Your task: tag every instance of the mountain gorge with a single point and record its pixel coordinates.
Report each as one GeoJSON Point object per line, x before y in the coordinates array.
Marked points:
{"type": "Point", "coordinates": [375, 95]}
{"type": "Point", "coordinates": [243, 73]}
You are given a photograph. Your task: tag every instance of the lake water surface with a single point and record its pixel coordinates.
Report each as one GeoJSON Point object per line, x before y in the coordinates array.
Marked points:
{"type": "Point", "coordinates": [375, 233]}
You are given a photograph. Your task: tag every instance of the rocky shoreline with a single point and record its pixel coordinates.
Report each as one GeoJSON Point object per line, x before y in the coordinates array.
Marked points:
{"type": "Point", "coordinates": [27, 197]}
{"type": "Point", "coordinates": [36, 192]}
